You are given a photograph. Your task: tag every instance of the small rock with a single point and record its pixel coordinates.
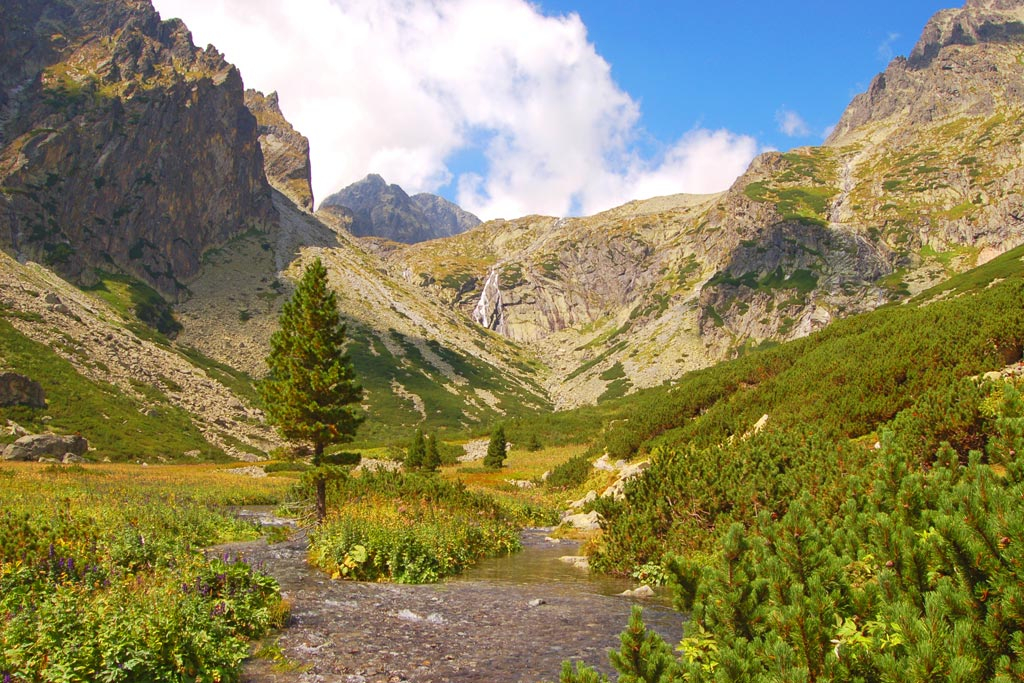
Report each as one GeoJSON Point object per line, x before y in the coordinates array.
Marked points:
{"type": "Point", "coordinates": [604, 464]}
{"type": "Point", "coordinates": [16, 430]}
{"type": "Point", "coordinates": [250, 471]}
{"type": "Point", "coordinates": [72, 458]}
{"type": "Point", "coordinates": [409, 615]}
{"type": "Point", "coordinates": [590, 521]}
{"type": "Point", "coordinates": [52, 298]}
{"type": "Point", "coordinates": [589, 498]}
{"type": "Point", "coordinates": [522, 483]}
{"type": "Point", "coordinates": [537, 602]}
{"type": "Point", "coordinates": [641, 592]}
{"type": "Point", "coordinates": [544, 477]}
{"type": "Point", "coordinates": [578, 561]}
{"type": "Point", "coordinates": [993, 376]}
{"type": "Point", "coordinates": [38, 446]}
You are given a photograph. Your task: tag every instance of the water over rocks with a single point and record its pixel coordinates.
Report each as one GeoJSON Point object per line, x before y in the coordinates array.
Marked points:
{"type": "Point", "coordinates": [469, 630]}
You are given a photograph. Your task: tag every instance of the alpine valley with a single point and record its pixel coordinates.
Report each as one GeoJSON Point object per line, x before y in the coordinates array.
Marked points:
{"type": "Point", "coordinates": [798, 401]}
{"type": "Point", "coordinates": [168, 211]}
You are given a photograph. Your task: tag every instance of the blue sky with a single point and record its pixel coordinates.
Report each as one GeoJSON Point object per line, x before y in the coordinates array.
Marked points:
{"type": "Point", "coordinates": [511, 107]}
{"type": "Point", "coordinates": [737, 64]}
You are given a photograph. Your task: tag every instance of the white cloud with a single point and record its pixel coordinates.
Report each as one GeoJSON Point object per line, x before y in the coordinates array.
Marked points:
{"type": "Point", "coordinates": [397, 87]}
{"type": "Point", "coordinates": [791, 123]}
{"type": "Point", "coordinates": [885, 49]}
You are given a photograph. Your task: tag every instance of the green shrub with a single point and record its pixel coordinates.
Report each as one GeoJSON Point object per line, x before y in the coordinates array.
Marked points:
{"type": "Point", "coordinates": [102, 578]}
{"type": "Point", "coordinates": [408, 528]}
{"type": "Point", "coordinates": [285, 467]}
{"type": "Point", "coordinates": [570, 474]}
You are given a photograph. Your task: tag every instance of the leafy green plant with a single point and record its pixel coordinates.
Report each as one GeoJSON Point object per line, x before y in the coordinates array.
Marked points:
{"type": "Point", "coordinates": [408, 528]}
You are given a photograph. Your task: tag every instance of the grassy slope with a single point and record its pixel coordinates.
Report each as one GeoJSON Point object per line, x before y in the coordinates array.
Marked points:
{"type": "Point", "coordinates": [111, 421]}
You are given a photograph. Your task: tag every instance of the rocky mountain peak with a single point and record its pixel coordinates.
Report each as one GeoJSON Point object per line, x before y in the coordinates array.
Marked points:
{"type": "Point", "coordinates": [980, 21]}
{"type": "Point", "coordinates": [960, 67]}
{"type": "Point", "coordinates": [382, 210]}
{"type": "Point", "coordinates": [285, 150]}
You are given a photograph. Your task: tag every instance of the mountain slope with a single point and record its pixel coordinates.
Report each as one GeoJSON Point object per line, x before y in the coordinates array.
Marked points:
{"type": "Point", "coordinates": [420, 364]}
{"type": "Point", "coordinates": [122, 145]}
{"type": "Point", "coordinates": [920, 180]}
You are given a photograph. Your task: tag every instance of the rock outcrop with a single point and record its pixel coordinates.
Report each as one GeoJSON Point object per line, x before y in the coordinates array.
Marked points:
{"type": "Point", "coordinates": [382, 210]}
{"type": "Point", "coordinates": [122, 145]}
{"type": "Point", "coordinates": [19, 390]}
{"type": "Point", "coordinates": [38, 446]}
{"type": "Point", "coordinates": [285, 150]}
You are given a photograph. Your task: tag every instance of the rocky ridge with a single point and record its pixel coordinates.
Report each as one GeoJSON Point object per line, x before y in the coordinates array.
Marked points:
{"type": "Point", "coordinates": [377, 209]}
{"type": "Point", "coordinates": [285, 150]}
{"type": "Point", "coordinates": [122, 145]}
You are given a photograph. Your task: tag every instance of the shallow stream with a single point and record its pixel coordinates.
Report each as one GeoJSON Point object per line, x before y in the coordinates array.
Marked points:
{"type": "Point", "coordinates": [510, 619]}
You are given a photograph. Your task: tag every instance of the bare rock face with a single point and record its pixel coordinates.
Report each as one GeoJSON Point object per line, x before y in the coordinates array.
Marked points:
{"type": "Point", "coordinates": [122, 145]}
{"type": "Point", "coordinates": [36, 446]}
{"type": "Point", "coordinates": [382, 210]}
{"type": "Point", "coordinates": [285, 150]}
{"type": "Point", "coordinates": [18, 389]}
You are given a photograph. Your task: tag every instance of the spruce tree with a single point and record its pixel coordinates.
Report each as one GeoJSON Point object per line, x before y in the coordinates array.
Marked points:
{"type": "Point", "coordinates": [416, 453]}
{"type": "Point", "coordinates": [311, 393]}
{"type": "Point", "coordinates": [496, 449]}
{"type": "Point", "coordinates": [432, 459]}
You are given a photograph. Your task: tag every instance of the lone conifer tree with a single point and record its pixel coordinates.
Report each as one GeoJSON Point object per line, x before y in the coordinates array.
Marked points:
{"type": "Point", "coordinates": [496, 449]}
{"type": "Point", "coordinates": [311, 391]}
{"type": "Point", "coordinates": [416, 453]}
{"type": "Point", "coordinates": [432, 459]}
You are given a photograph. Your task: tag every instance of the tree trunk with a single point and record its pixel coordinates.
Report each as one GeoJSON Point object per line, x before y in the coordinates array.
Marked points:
{"type": "Point", "coordinates": [321, 484]}
{"type": "Point", "coordinates": [321, 498]}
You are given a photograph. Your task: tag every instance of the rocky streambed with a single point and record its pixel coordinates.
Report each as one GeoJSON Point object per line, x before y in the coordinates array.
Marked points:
{"type": "Point", "coordinates": [512, 620]}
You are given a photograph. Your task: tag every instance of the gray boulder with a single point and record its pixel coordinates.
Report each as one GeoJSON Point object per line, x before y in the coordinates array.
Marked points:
{"type": "Point", "coordinates": [37, 446]}
{"type": "Point", "coordinates": [18, 389]}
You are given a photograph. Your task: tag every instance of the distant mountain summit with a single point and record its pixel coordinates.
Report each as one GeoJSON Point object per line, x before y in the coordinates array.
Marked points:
{"type": "Point", "coordinates": [382, 210]}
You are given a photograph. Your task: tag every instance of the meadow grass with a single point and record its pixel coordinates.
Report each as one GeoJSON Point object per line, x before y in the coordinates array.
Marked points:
{"type": "Point", "coordinates": [102, 574]}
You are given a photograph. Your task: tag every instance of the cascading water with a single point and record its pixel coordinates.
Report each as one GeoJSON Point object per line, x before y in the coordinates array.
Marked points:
{"type": "Point", "coordinates": [490, 311]}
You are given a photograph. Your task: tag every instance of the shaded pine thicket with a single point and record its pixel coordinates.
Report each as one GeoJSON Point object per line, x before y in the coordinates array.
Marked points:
{"type": "Point", "coordinates": [810, 552]}
{"type": "Point", "coordinates": [917, 574]}
{"type": "Point", "coordinates": [822, 395]}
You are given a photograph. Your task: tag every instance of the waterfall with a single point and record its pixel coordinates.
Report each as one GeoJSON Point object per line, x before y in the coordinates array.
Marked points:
{"type": "Point", "coordinates": [489, 311]}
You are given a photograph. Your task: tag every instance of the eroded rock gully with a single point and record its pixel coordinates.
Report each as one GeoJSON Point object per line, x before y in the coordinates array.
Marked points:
{"type": "Point", "coordinates": [464, 631]}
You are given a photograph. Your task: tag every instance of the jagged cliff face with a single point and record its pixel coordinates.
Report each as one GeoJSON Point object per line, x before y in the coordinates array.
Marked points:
{"type": "Point", "coordinates": [285, 150]}
{"type": "Point", "coordinates": [921, 179]}
{"type": "Point", "coordinates": [122, 145]}
{"type": "Point", "coordinates": [373, 208]}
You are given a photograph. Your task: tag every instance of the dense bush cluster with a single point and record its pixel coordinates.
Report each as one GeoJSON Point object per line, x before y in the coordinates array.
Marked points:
{"type": "Point", "coordinates": [871, 532]}
{"type": "Point", "coordinates": [916, 573]}
{"type": "Point", "coordinates": [101, 578]}
{"type": "Point", "coordinates": [408, 528]}
{"type": "Point", "coordinates": [825, 397]}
